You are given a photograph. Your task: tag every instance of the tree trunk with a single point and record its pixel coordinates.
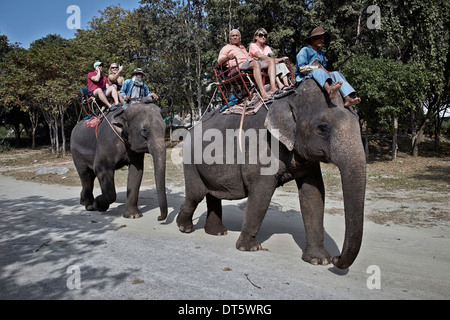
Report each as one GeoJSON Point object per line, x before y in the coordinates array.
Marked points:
{"type": "Point", "coordinates": [52, 136]}
{"type": "Point", "coordinates": [199, 81]}
{"type": "Point", "coordinates": [394, 139]}
{"type": "Point", "coordinates": [365, 127]}
{"type": "Point", "coordinates": [55, 135]}
{"type": "Point", "coordinates": [417, 138]}
{"type": "Point", "coordinates": [34, 119]}
{"type": "Point", "coordinates": [63, 136]}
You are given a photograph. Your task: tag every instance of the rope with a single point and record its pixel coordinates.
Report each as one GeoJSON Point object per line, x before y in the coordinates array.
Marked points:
{"type": "Point", "coordinates": [210, 101]}
{"type": "Point", "coordinates": [114, 130]}
{"type": "Point", "coordinates": [259, 95]}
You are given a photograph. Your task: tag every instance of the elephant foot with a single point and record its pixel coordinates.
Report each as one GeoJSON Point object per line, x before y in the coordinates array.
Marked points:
{"type": "Point", "coordinates": [214, 226]}
{"type": "Point", "coordinates": [90, 207]}
{"type": "Point", "coordinates": [248, 243]}
{"type": "Point", "coordinates": [102, 208]}
{"type": "Point", "coordinates": [132, 214]}
{"type": "Point", "coordinates": [184, 225]}
{"type": "Point", "coordinates": [87, 202]}
{"type": "Point", "coordinates": [98, 206]}
{"type": "Point", "coordinates": [216, 230]}
{"type": "Point", "coordinates": [317, 257]}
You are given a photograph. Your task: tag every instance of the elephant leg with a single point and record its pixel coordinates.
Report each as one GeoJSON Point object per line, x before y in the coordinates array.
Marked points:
{"type": "Point", "coordinates": [105, 177]}
{"type": "Point", "coordinates": [312, 202]}
{"type": "Point", "coordinates": [214, 225]}
{"type": "Point", "coordinates": [195, 192]}
{"type": "Point", "coordinates": [184, 219]}
{"type": "Point", "coordinates": [87, 178]}
{"type": "Point", "coordinates": [135, 172]}
{"type": "Point", "coordinates": [257, 204]}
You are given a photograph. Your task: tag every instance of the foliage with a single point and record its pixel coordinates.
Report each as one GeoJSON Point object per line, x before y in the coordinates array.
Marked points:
{"type": "Point", "coordinates": [388, 88]}
{"type": "Point", "coordinates": [395, 69]}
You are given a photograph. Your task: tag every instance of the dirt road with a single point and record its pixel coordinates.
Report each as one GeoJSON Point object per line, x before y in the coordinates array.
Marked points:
{"type": "Point", "coordinates": [51, 248]}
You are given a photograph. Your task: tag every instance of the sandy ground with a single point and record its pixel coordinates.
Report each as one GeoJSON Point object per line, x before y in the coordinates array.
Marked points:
{"type": "Point", "coordinates": [51, 248]}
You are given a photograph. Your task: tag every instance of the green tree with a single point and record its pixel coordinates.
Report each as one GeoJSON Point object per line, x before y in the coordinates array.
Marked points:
{"type": "Point", "coordinates": [388, 90]}
{"type": "Point", "coordinates": [16, 93]}
{"type": "Point", "coordinates": [174, 34]}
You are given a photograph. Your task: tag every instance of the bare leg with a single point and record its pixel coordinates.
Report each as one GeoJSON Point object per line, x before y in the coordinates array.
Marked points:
{"type": "Point", "coordinates": [351, 101]}
{"type": "Point", "coordinates": [270, 64]}
{"type": "Point", "coordinates": [258, 79]}
{"type": "Point", "coordinates": [332, 90]}
{"type": "Point", "coordinates": [279, 83]}
{"type": "Point", "coordinates": [99, 94]}
{"type": "Point", "coordinates": [112, 91]}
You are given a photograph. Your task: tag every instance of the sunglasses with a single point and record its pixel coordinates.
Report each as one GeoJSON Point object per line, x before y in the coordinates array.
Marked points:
{"type": "Point", "coordinates": [114, 67]}
{"type": "Point", "coordinates": [262, 35]}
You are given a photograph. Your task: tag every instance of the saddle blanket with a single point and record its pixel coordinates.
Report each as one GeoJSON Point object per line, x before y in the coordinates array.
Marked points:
{"type": "Point", "coordinates": [252, 106]}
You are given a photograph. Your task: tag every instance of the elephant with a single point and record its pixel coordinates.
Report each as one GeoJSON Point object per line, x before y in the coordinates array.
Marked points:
{"type": "Point", "coordinates": [122, 138]}
{"type": "Point", "coordinates": [307, 128]}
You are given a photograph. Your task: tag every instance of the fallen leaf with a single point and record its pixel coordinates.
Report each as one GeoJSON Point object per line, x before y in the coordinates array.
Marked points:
{"type": "Point", "coordinates": [138, 281]}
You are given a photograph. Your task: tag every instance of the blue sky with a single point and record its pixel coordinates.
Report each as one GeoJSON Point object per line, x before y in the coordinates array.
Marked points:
{"type": "Point", "coordinates": [29, 20]}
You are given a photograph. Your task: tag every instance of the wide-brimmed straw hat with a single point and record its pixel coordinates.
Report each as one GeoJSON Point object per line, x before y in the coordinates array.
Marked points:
{"type": "Point", "coordinates": [317, 32]}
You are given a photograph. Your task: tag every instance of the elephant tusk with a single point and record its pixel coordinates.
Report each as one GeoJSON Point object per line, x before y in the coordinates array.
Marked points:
{"type": "Point", "coordinates": [240, 127]}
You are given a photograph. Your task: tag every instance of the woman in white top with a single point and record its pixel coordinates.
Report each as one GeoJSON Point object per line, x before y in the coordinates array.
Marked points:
{"type": "Point", "coordinates": [259, 49]}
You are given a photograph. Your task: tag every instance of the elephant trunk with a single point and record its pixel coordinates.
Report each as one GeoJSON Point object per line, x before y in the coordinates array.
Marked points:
{"type": "Point", "coordinates": [158, 152]}
{"type": "Point", "coordinates": [352, 166]}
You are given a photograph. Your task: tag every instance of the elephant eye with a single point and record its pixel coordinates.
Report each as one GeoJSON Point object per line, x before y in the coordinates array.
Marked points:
{"type": "Point", "coordinates": [145, 133]}
{"type": "Point", "coordinates": [323, 129]}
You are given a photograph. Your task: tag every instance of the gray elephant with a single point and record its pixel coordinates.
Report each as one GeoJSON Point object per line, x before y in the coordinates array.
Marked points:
{"type": "Point", "coordinates": [309, 128]}
{"type": "Point", "coordinates": [121, 139]}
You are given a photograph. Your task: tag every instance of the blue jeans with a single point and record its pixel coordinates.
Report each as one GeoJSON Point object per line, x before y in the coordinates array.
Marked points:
{"type": "Point", "coordinates": [321, 77]}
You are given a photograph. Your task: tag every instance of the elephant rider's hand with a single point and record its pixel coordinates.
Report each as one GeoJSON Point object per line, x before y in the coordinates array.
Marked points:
{"type": "Point", "coordinates": [231, 56]}
{"type": "Point", "coordinates": [317, 63]}
{"type": "Point", "coordinates": [155, 96]}
{"type": "Point", "coordinates": [127, 98]}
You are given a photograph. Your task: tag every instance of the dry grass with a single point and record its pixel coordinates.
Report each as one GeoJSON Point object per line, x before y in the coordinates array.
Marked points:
{"type": "Point", "coordinates": [408, 191]}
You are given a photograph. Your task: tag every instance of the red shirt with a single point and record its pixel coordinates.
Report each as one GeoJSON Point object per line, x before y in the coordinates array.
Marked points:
{"type": "Point", "coordinates": [92, 86]}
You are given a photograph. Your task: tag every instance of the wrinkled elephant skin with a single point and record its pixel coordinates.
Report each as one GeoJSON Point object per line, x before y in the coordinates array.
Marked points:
{"type": "Point", "coordinates": [309, 129]}
{"type": "Point", "coordinates": [98, 154]}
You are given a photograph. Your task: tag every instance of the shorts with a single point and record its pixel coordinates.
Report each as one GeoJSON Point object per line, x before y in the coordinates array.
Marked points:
{"type": "Point", "coordinates": [246, 64]}
{"type": "Point", "coordinates": [92, 92]}
{"type": "Point", "coordinates": [282, 70]}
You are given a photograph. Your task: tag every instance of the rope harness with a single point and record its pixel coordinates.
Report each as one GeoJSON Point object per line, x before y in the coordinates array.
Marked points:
{"type": "Point", "coordinates": [95, 122]}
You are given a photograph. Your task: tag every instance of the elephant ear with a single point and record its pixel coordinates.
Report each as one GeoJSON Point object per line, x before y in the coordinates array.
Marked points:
{"type": "Point", "coordinates": [118, 121]}
{"type": "Point", "coordinates": [280, 121]}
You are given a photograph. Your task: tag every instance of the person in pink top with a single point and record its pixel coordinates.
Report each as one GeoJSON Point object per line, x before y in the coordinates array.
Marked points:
{"type": "Point", "coordinates": [98, 86]}
{"type": "Point", "coordinates": [235, 50]}
{"type": "Point", "coordinates": [259, 49]}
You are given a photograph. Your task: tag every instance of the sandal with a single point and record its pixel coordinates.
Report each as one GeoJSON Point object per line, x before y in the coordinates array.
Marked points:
{"type": "Point", "coordinates": [287, 88]}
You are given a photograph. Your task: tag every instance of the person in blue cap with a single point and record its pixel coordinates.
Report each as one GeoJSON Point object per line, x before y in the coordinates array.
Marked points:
{"type": "Point", "coordinates": [97, 86]}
